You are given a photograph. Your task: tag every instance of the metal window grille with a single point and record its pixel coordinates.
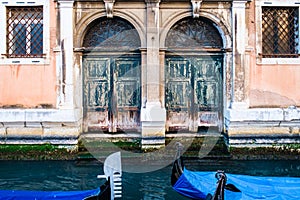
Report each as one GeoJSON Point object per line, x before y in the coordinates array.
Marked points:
{"type": "Point", "coordinates": [24, 32]}
{"type": "Point", "coordinates": [280, 32]}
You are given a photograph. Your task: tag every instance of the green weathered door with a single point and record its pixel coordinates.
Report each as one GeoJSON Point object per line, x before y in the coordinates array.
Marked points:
{"type": "Point", "coordinates": [193, 92]}
{"type": "Point", "coordinates": [111, 94]}
{"type": "Point", "coordinates": [127, 93]}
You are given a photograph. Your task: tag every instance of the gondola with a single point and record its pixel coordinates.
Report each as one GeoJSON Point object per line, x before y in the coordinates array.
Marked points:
{"type": "Point", "coordinates": [207, 185]}
{"type": "Point", "coordinates": [110, 190]}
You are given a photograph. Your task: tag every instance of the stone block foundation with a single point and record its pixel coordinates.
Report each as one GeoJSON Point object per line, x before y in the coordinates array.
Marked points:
{"type": "Point", "coordinates": [263, 127]}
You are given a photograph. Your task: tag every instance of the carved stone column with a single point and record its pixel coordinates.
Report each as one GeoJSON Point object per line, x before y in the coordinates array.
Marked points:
{"type": "Point", "coordinates": [153, 115]}
{"type": "Point", "coordinates": [66, 46]}
{"type": "Point", "coordinates": [239, 64]}
{"type": "Point", "coordinates": [153, 51]}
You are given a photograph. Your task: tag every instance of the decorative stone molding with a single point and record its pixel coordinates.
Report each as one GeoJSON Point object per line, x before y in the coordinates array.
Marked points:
{"type": "Point", "coordinates": [241, 60]}
{"type": "Point", "coordinates": [196, 4]}
{"type": "Point", "coordinates": [109, 6]}
{"type": "Point", "coordinates": [154, 5]}
{"type": "Point", "coordinates": [66, 54]}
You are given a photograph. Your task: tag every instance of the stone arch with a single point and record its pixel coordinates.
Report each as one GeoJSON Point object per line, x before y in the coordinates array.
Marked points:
{"type": "Point", "coordinates": [111, 74]}
{"type": "Point", "coordinates": [82, 26]}
{"type": "Point", "coordinates": [194, 63]}
{"type": "Point", "coordinates": [223, 29]}
{"type": "Point", "coordinates": [111, 33]}
{"type": "Point", "coordinates": [193, 33]}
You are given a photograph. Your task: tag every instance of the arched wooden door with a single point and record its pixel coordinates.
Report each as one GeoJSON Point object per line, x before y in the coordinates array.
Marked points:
{"type": "Point", "coordinates": [193, 75]}
{"type": "Point", "coordinates": [111, 77]}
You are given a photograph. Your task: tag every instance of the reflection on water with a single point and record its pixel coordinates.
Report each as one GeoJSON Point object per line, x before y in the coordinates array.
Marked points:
{"type": "Point", "coordinates": [148, 186]}
{"type": "Point", "coordinates": [48, 175]}
{"type": "Point", "coordinates": [153, 187]}
{"type": "Point", "coordinates": [72, 175]}
{"type": "Point", "coordinates": [250, 167]}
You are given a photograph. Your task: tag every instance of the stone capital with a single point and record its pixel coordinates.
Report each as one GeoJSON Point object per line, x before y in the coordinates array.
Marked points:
{"type": "Point", "coordinates": [239, 3]}
{"type": "Point", "coordinates": [66, 3]}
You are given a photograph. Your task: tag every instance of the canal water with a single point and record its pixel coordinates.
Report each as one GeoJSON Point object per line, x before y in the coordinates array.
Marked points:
{"type": "Point", "coordinates": [81, 175]}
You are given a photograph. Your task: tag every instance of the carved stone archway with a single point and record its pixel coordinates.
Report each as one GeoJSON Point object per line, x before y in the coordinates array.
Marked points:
{"type": "Point", "coordinates": [194, 75]}
{"type": "Point", "coordinates": [111, 76]}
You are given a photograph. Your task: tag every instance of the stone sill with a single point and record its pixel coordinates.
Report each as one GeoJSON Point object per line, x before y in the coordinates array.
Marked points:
{"type": "Point", "coordinates": [40, 115]}
{"type": "Point", "coordinates": [262, 114]}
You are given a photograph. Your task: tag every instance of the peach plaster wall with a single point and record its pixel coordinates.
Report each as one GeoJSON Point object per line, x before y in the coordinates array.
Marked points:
{"type": "Point", "coordinates": [270, 85]}
{"type": "Point", "coordinates": [30, 86]}
{"type": "Point", "coordinates": [27, 86]}
{"type": "Point", "coordinates": [275, 86]}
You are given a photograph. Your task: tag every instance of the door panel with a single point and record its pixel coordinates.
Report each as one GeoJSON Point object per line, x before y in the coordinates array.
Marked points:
{"type": "Point", "coordinates": [178, 104]}
{"type": "Point", "coordinates": [96, 93]}
{"type": "Point", "coordinates": [193, 92]}
{"type": "Point", "coordinates": [127, 93]}
{"type": "Point", "coordinates": [178, 91]}
{"type": "Point", "coordinates": [208, 90]}
{"type": "Point", "coordinates": [111, 95]}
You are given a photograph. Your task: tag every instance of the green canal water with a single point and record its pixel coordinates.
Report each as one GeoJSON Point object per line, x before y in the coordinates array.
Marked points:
{"type": "Point", "coordinates": [81, 175]}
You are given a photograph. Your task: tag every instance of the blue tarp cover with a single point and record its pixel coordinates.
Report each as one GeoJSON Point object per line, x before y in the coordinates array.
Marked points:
{"type": "Point", "coordinates": [197, 185]}
{"type": "Point", "coordinates": [46, 195]}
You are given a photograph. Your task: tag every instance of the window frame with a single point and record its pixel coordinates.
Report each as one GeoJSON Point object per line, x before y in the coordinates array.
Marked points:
{"type": "Point", "coordinates": [20, 35]}
{"type": "Point", "coordinates": [277, 3]}
{"type": "Point", "coordinates": [6, 59]}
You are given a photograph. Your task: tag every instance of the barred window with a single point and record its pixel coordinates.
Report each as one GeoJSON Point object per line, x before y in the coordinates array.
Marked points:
{"type": "Point", "coordinates": [280, 32]}
{"type": "Point", "coordinates": [24, 32]}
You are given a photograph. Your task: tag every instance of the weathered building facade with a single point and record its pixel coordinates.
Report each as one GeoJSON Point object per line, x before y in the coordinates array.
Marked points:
{"type": "Point", "coordinates": [149, 66]}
